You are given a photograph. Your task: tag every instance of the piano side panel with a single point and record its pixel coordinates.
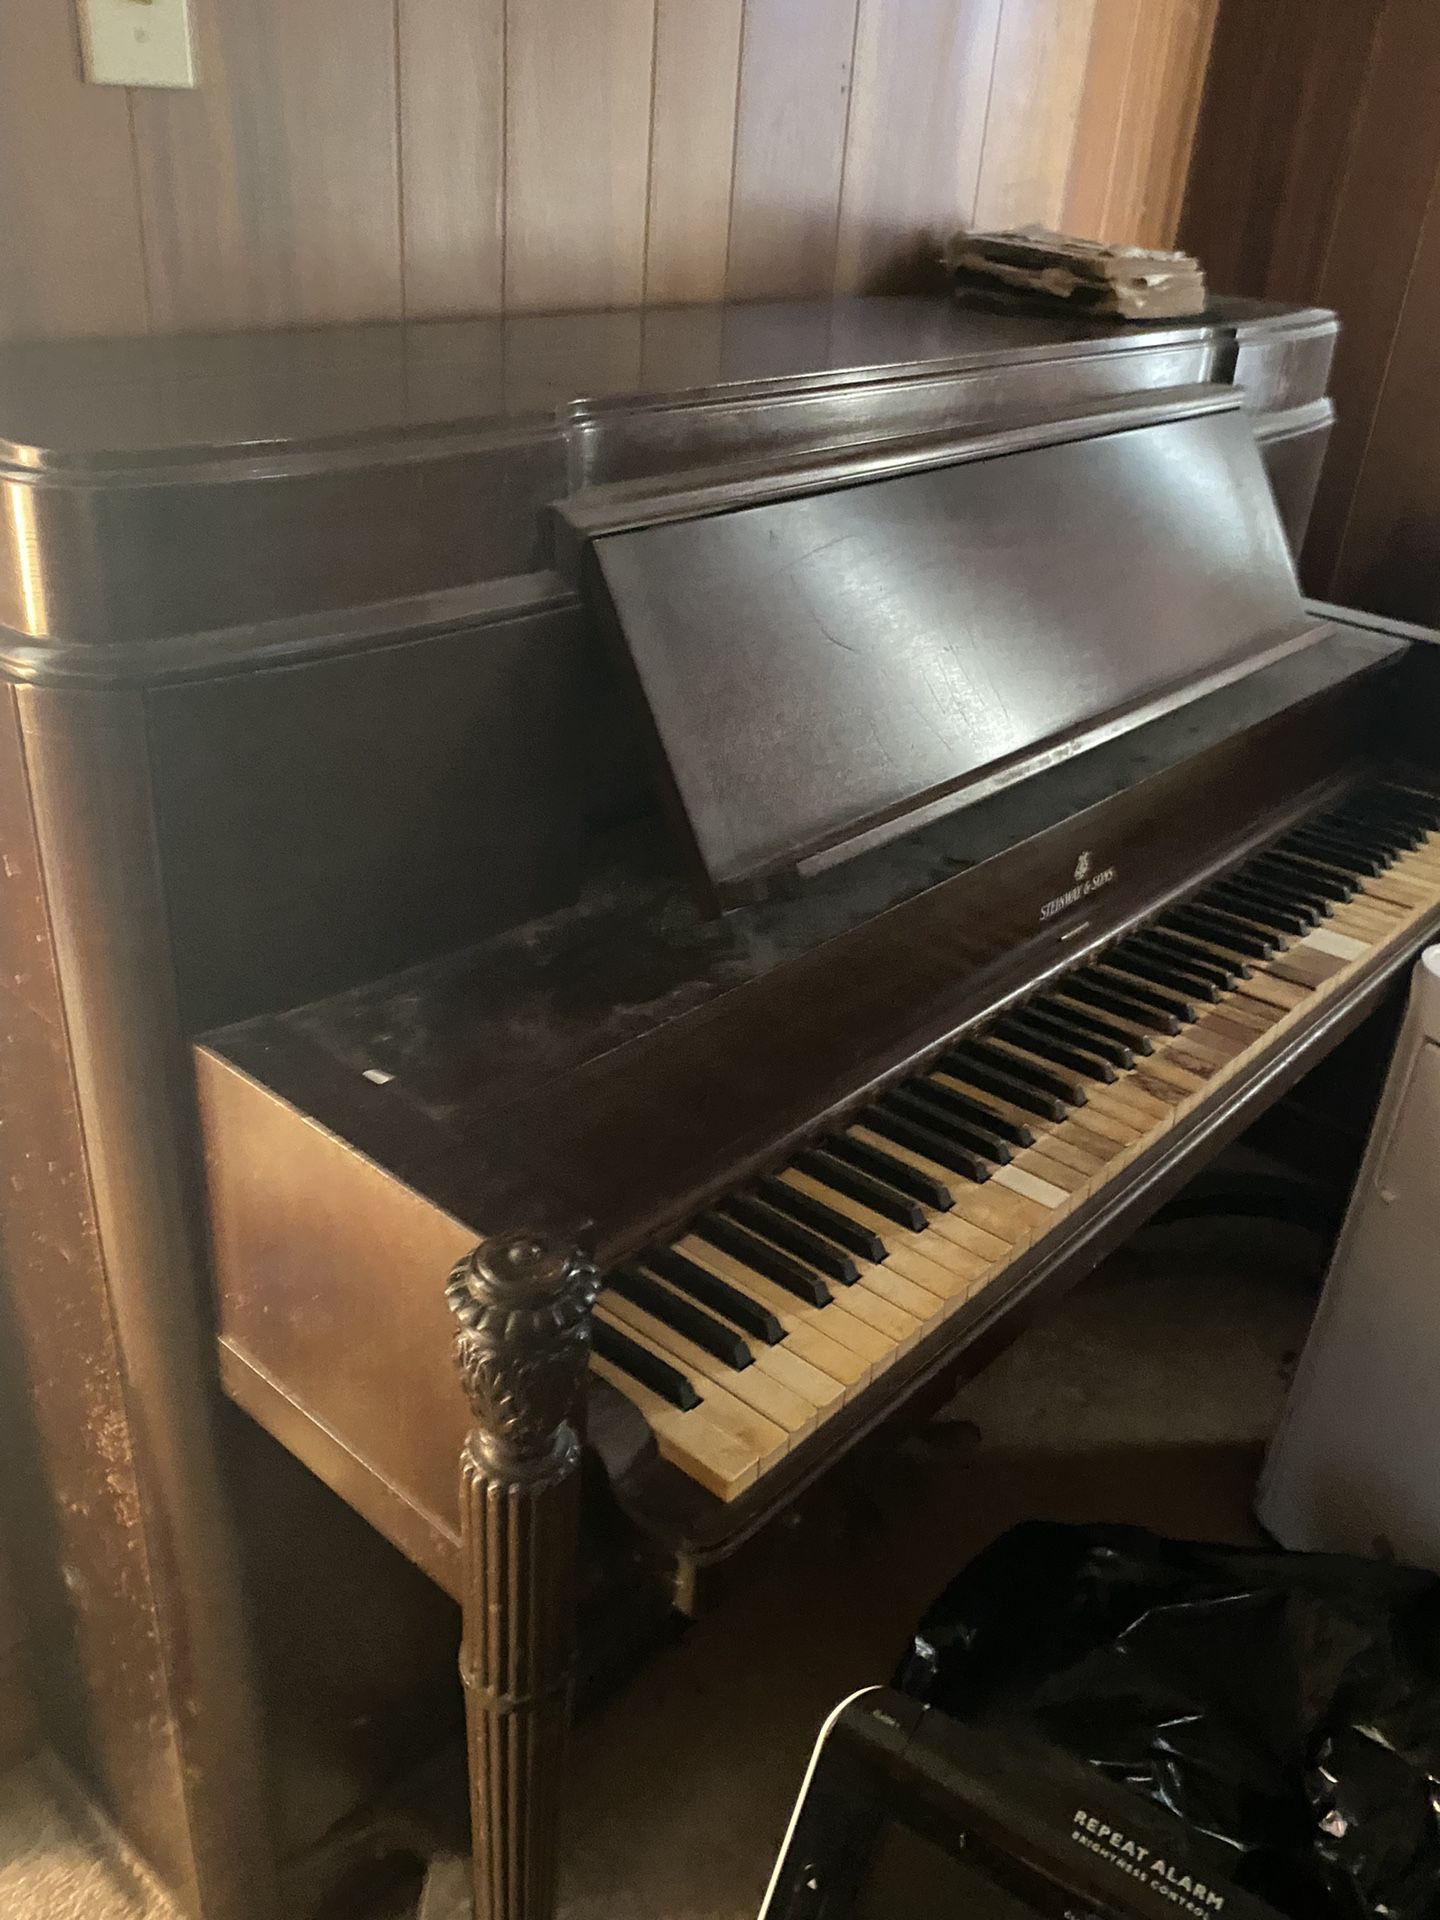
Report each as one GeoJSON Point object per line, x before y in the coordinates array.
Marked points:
{"type": "Point", "coordinates": [335, 1334]}
{"type": "Point", "coordinates": [130, 555]}
{"type": "Point", "coordinates": [1293, 450]}
{"type": "Point", "coordinates": [145, 1689]}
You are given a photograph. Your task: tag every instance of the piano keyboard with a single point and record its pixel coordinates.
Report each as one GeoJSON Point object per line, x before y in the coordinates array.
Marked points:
{"type": "Point", "coordinates": [783, 1301]}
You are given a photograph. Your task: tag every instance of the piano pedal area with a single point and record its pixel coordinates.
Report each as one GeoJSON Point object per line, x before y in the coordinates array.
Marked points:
{"type": "Point", "coordinates": [741, 1338]}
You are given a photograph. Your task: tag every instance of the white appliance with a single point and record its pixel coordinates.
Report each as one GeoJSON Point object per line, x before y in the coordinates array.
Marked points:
{"type": "Point", "coordinates": [1355, 1466]}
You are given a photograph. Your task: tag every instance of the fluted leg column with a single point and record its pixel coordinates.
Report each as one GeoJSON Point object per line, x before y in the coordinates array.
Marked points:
{"type": "Point", "coordinates": [524, 1306]}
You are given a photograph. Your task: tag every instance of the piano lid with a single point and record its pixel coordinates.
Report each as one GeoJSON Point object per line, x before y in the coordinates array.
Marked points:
{"type": "Point", "coordinates": [829, 656]}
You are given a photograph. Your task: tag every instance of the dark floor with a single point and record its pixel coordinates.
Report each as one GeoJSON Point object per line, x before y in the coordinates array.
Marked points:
{"type": "Point", "coordinates": [1145, 1398]}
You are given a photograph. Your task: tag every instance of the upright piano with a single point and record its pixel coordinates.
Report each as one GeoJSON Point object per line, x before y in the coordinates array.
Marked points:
{"type": "Point", "coordinates": [706, 863]}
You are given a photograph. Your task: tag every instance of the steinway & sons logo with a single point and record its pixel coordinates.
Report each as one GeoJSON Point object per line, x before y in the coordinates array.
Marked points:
{"type": "Point", "coordinates": [1087, 881]}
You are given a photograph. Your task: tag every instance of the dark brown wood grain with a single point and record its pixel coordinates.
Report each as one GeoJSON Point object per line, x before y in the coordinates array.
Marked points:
{"type": "Point", "coordinates": [1314, 177]}
{"type": "Point", "coordinates": [81, 1494]}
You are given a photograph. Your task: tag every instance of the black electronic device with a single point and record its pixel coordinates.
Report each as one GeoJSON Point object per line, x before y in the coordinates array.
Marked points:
{"type": "Point", "coordinates": [906, 1812]}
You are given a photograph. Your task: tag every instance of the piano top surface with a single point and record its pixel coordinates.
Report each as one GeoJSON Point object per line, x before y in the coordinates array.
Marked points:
{"type": "Point", "coordinates": [67, 405]}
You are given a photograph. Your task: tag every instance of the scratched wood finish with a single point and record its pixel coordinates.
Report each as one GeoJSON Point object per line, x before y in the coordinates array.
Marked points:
{"type": "Point", "coordinates": [1316, 176]}
{"type": "Point", "coordinates": [482, 155]}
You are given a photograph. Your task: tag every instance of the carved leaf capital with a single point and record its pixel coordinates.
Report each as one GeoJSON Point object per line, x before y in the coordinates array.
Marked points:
{"type": "Point", "coordinates": [523, 1303]}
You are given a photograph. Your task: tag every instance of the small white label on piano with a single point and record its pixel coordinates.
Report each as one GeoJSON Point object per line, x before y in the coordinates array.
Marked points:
{"type": "Point", "coordinates": [1339, 946]}
{"type": "Point", "coordinates": [1031, 1185]}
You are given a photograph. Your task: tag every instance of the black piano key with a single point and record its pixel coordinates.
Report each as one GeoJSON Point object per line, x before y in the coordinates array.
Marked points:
{"type": "Point", "coordinates": [1036, 1037]}
{"type": "Point", "coordinates": [760, 1257]}
{"type": "Point", "coordinates": [1323, 862]}
{"type": "Point", "coordinates": [964, 1106]}
{"type": "Point", "coordinates": [1361, 840]}
{"type": "Point", "coordinates": [1090, 1020]}
{"type": "Point", "coordinates": [682, 1316]}
{"type": "Point", "coordinates": [1111, 1000]}
{"type": "Point", "coordinates": [890, 1169]}
{"type": "Point", "coordinates": [642, 1365]}
{"type": "Point", "coordinates": [1054, 1020]}
{"type": "Point", "coordinates": [1222, 929]}
{"type": "Point", "coordinates": [1256, 912]}
{"type": "Point", "coordinates": [1250, 893]}
{"type": "Point", "coordinates": [1329, 883]}
{"type": "Point", "coordinates": [912, 1104]}
{"type": "Point", "coordinates": [1194, 947]}
{"type": "Point", "coordinates": [1289, 888]}
{"type": "Point", "coordinates": [1145, 964]}
{"type": "Point", "coordinates": [1005, 1086]}
{"type": "Point", "coordinates": [1395, 836]}
{"type": "Point", "coordinates": [1406, 805]}
{"type": "Point", "coordinates": [1030, 1072]}
{"type": "Point", "coordinates": [928, 1142]}
{"type": "Point", "coordinates": [843, 1177]}
{"type": "Point", "coordinates": [1409, 833]}
{"type": "Point", "coordinates": [716, 1294]}
{"type": "Point", "coordinates": [809, 1212]}
{"type": "Point", "coordinates": [1188, 959]}
{"type": "Point", "coordinates": [1325, 847]}
{"type": "Point", "coordinates": [834, 1262]}
{"type": "Point", "coordinates": [1110, 972]}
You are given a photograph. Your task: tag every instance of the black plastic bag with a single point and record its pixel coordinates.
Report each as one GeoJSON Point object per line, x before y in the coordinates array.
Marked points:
{"type": "Point", "coordinates": [1286, 1704]}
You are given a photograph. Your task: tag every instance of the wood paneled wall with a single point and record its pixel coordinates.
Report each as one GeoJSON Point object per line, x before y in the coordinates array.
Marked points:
{"type": "Point", "coordinates": [357, 159]}
{"type": "Point", "coordinates": [1316, 177]}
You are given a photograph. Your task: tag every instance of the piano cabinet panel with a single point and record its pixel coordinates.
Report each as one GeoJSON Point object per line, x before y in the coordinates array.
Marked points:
{"type": "Point", "coordinates": [1293, 449]}
{"type": "Point", "coordinates": [324, 823]}
{"type": "Point", "coordinates": [332, 1316]}
{"type": "Point", "coordinates": [125, 555]}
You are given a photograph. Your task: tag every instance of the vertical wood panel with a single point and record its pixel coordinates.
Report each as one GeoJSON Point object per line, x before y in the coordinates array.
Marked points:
{"type": "Point", "coordinates": [271, 194]}
{"type": "Point", "coordinates": [1040, 63]}
{"type": "Point", "coordinates": [1169, 159]}
{"type": "Point", "coordinates": [789, 146]}
{"type": "Point", "coordinates": [1383, 235]}
{"type": "Point", "coordinates": [1388, 553]}
{"type": "Point", "coordinates": [70, 256]}
{"type": "Point", "coordinates": [1322, 111]}
{"type": "Point", "coordinates": [1232, 198]}
{"type": "Point", "coordinates": [356, 159]}
{"type": "Point", "coordinates": [452, 138]}
{"type": "Point", "coordinates": [1142, 112]}
{"type": "Point", "coordinates": [692, 148]}
{"type": "Point", "coordinates": [577, 143]}
{"type": "Point", "coordinates": [1372, 248]}
{"type": "Point", "coordinates": [918, 101]}
{"type": "Point", "coordinates": [1093, 157]}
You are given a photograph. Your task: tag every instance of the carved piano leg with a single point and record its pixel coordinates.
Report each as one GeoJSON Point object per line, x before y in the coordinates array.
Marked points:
{"type": "Point", "coordinates": [524, 1306]}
